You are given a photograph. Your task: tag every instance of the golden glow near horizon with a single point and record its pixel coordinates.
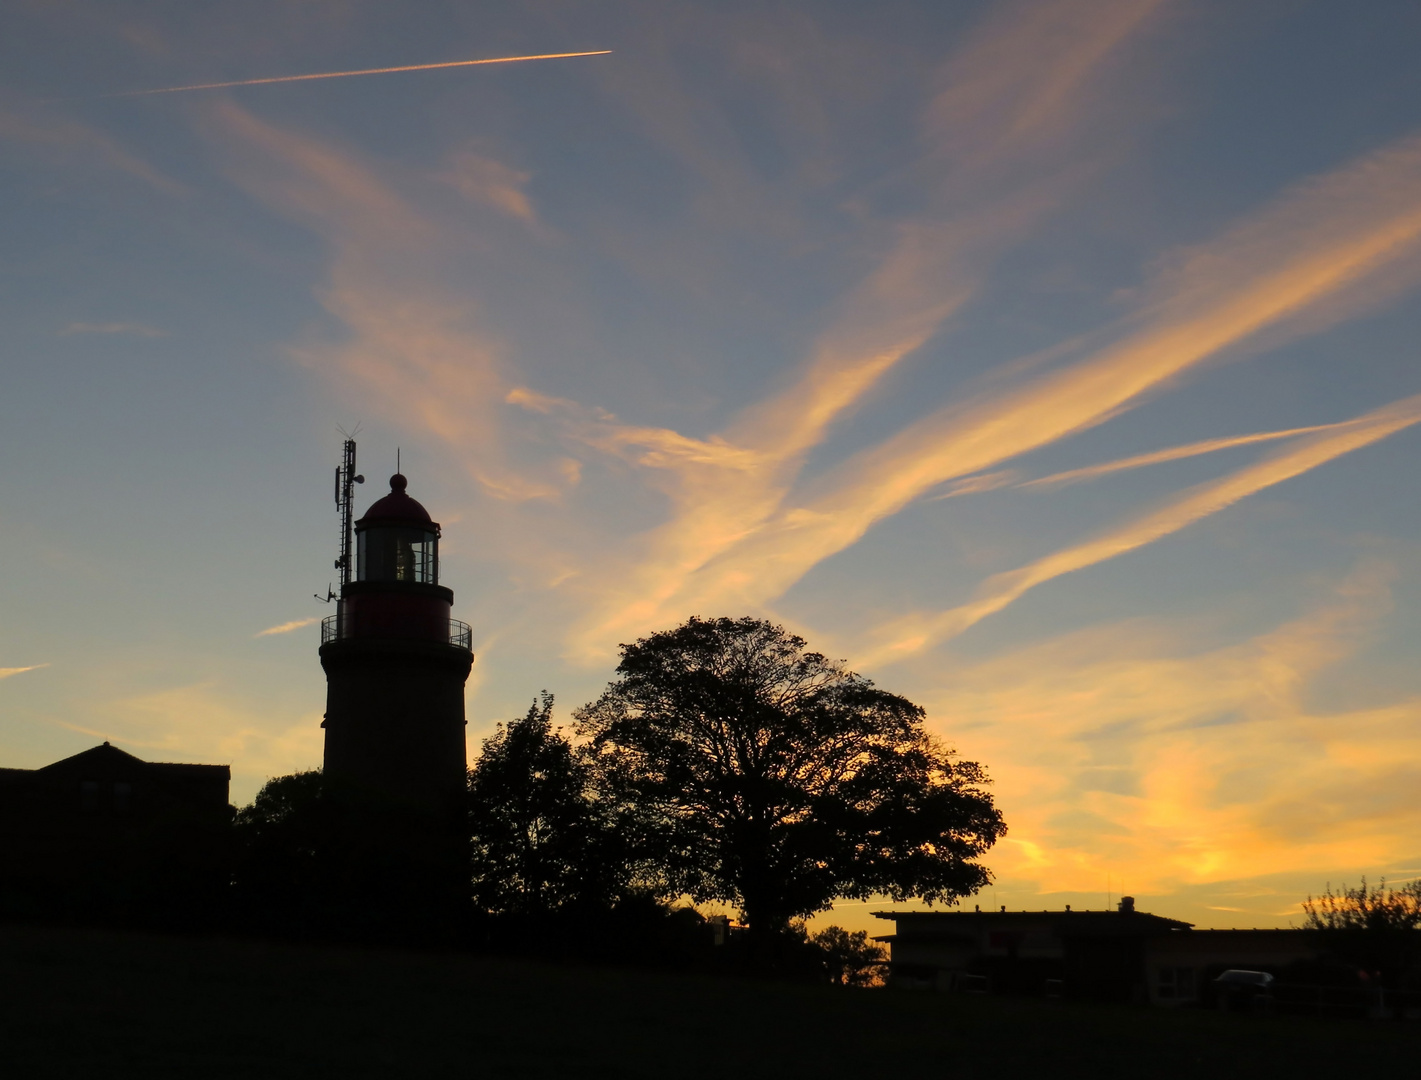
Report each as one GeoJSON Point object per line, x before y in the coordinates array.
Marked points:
{"type": "Point", "coordinates": [363, 71]}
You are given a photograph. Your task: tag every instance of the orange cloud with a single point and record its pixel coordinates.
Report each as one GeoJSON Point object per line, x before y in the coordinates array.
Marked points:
{"type": "Point", "coordinates": [1120, 750]}
{"type": "Point", "coordinates": [6, 672]}
{"type": "Point", "coordinates": [288, 627]}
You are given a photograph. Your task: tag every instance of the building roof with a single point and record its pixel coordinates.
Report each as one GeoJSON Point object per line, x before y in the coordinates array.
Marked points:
{"type": "Point", "coordinates": [396, 508]}
{"type": "Point", "coordinates": [1065, 923]}
{"type": "Point", "coordinates": [112, 755]}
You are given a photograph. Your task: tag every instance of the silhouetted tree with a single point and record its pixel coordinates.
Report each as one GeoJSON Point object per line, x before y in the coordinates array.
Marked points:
{"type": "Point", "coordinates": [316, 858]}
{"type": "Point", "coordinates": [542, 841]}
{"type": "Point", "coordinates": [1378, 929]}
{"type": "Point", "coordinates": [772, 778]}
{"type": "Point", "coordinates": [850, 959]}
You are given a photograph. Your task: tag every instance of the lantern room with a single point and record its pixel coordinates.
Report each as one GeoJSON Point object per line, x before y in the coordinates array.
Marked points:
{"type": "Point", "coordinates": [396, 540]}
{"type": "Point", "coordinates": [396, 592]}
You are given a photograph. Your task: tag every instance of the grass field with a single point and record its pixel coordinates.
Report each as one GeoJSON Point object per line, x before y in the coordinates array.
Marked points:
{"type": "Point", "coordinates": [106, 1005]}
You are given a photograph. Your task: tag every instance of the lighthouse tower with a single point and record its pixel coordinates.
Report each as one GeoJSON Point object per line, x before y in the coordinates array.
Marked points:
{"type": "Point", "coordinates": [395, 660]}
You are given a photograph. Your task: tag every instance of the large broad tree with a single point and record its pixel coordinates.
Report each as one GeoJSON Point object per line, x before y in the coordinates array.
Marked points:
{"type": "Point", "coordinates": [772, 778]}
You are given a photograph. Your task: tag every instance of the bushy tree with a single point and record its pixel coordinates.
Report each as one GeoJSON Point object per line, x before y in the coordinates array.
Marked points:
{"type": "Point", "coordinates": [850, 959]}
{"type": "Point", "coordinates": [1376, 928]}
{"type": "Point", "coordinates": [542, 839]}
{"type": "Point", "coordinates": [316, 858]}
{"type": "Point", "coordinates": [770, 777]}
{"type": "Point", "coordinates": [1379, 909]}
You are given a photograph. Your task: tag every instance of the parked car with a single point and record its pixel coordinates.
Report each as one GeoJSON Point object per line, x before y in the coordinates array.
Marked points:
{"type": "Point", "coordinates": [1238, 990]}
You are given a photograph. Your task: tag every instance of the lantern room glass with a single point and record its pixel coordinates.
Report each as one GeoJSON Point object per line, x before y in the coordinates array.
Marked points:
{"type": "Point", "coordinates": [397, 554]}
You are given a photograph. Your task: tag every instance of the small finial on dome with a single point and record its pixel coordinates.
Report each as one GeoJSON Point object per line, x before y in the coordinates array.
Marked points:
{"type": "Point", "coordinates": [398, 483]}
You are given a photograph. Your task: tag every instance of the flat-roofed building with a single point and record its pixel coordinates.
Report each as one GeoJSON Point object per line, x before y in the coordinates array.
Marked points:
{"type": "Point", "coordinates": [1122, 954]}
{"type": "Point", "coordinates": [1087, 953]}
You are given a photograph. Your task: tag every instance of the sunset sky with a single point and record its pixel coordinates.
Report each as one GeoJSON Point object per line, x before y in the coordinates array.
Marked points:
{"type": "Point", "coordinates": [1057, 364]}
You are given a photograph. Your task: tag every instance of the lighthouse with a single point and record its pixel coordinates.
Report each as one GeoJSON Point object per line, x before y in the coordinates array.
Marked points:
{"type": "Point", "coordinates": [395, 659]}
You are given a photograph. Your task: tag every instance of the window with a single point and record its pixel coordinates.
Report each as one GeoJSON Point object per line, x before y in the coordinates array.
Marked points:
{"type": "Point", "coordinates": [88, 794]}
{"type": "Point", "coordinates": [122, 795]}
{"type": "Point", "coordinates": [1175, 983]}
{"type": "Point", "coordinates": [395, 554]}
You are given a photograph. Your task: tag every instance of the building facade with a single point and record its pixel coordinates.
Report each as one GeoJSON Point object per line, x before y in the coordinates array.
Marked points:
{"type": "Point", "coordinates": [106, 835]}
{"type": "Point", "coordinates": [1122, 955]}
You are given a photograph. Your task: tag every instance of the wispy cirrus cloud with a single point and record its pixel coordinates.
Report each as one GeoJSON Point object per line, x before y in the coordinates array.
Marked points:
{"type": "Point", "coordinates": [427, 356]}
{"type": "Point", "coordinates": [1012, 478]}
{"type": "Point", "coordinates": [288, 627]}
{"type": "Point", "coordinates": [911, 634]}
{"type": "Point", "coordinates": [1022, 84]}
{"type": "Point", "coordinates": [1173, 453]}
{"type": "Point", "coordinates": [491, 182]}
{"type": "Point", "coordinates": [413, 346]}
{"type": "Point", "coordinates": [129, 328]}
{"type": "Point", "coordinates": [1333, 246]}
{"type": "Point", "coordinates": [7, 672]}
{"type": "Point", "coordinates": [1033, 68]}
{"type": "Point", "coordinates": [67, 141]}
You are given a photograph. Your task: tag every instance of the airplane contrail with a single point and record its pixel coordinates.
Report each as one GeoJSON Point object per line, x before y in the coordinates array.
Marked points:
{"type": "Point", "coordinates": [365, 71]}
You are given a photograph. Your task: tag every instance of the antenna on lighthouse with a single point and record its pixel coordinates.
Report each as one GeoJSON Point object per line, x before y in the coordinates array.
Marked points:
{"type": "Point", "coordinates": [345, 481]}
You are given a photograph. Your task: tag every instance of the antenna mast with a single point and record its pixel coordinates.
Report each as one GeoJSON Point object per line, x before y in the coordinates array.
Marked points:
{"type": "Point", "coordinates": [346, 479]}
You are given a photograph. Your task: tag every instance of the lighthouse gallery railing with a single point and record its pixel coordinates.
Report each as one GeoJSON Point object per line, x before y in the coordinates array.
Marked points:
{"type": "Point", "coordinates": [335, 628]}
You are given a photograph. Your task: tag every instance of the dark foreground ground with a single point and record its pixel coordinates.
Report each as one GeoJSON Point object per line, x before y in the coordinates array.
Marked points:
{"type": "Point", "coordinates": [87, 1003]}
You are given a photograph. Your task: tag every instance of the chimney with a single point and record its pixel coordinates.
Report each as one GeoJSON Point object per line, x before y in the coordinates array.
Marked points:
{"type": "Point", "coordinates": [1127, 905]}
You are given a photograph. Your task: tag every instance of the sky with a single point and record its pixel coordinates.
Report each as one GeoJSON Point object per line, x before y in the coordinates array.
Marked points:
{"type": "Point", "coordinates": [1053, 363]}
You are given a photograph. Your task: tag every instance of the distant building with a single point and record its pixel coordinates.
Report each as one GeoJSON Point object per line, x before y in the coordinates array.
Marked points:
{"type": "Point", "coordinates": [1115, 955]}
{"type": "Point", "coordinates": [1180, 966]}
{"type": "Point", "coordinates": [107, 834]}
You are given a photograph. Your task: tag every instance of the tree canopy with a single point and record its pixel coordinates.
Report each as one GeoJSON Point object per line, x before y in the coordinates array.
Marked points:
{"type": "Point", "coordinates": [1375, 927]}
{"type": "Point", "coordinates": [768, 776]}
{"type": "Point", "coordinates": [541, 840]}
{"type": "Point", "coordinates": [317, 857]}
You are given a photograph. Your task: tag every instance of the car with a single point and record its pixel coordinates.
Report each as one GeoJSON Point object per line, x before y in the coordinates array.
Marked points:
{"type": "Point", "coordinates": [1238, 989]}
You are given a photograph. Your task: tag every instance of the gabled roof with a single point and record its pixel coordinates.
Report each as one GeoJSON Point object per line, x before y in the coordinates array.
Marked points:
{"type": "Point", "coordinates": [110, 756]}
{"type": "Point", "coordinates": [92, 756]}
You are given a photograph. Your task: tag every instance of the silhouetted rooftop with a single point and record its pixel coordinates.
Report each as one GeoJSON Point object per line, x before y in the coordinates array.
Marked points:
{"type": "Point", "coordinates": [1063, 922]}
{"type": "Point", "coordinates": [113, 754]}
